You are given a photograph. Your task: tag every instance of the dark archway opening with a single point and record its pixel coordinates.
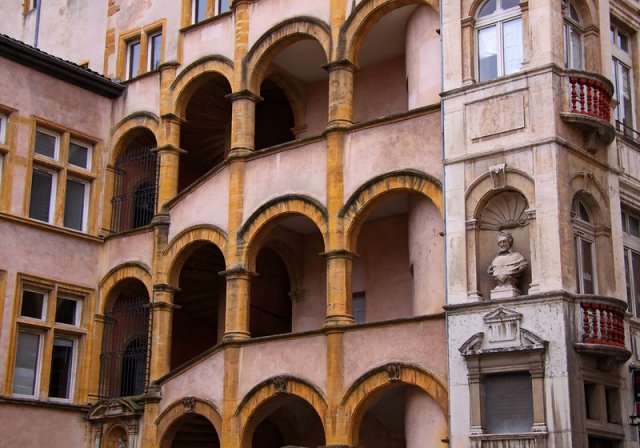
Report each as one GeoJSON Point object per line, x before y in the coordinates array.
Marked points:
{"type": "Point", "coordinates": [195, 431]}
{"type": "Point", "coordinates": [206, 133]}
{"type": "Point", "coordinates": [198, 322]}
{"type": "Point", "coordinates": [274, 117]}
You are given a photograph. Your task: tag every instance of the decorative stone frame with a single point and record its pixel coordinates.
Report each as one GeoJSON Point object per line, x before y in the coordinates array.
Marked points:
{"type": "Point", "coordinates": [528, 356]}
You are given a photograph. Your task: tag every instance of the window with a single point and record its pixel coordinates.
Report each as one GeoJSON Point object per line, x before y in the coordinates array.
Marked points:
{"type": "Point", "coordinates": [583, 240]}
{"type": "Point", "coordinates": [631, 240]}
{"type": "Point", "coordinates": [133, 59]}
{"type": "Point", "coordinates": [573, 31]}
{"type": "Point", "coordinates": [358, 306]}
{"type": "Point", "coordinates": [499, 39]}
{"type": "Point", "coordinates": [622, 77]}
{"type": "Point", "coordinates": [199, 9]}
{"type": "Point", "coordinates": [155, 50]}
{"type": "Point", "coordinates": [49, 330]}
{"type": "Point", "coordinates": [508, 402]}
{"type": "Point", "coordinates": [64, 168]}
{"type": "Point", "coordinates": [3, 133]}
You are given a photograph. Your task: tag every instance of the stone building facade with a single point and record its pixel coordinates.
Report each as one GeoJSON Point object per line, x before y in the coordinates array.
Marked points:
{"type": "Point", "coordinates": [270, 223]}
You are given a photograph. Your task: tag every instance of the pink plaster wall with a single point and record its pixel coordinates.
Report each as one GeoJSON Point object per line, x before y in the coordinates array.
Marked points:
{"type": "Point", "coordinates": [136, 247]}
{"type": "Point", "coordinates": [63, 429]}
{"type": "Point", "coordinates": [216, 37]}
{"type": "Point", "coordinates": [425, 423]}
{"type": "Point", "coordinates": [409, 143]}
{"type": "Point", "coordinates": [317, 112]}
{"type": "Point", "coordinates": [422, 343]}
{"type": "Point", "coordinates": [426, 253]}
{"type": "Point", "coordinates": [206, 204]}
{"type": "Point", "coordinates": [309, 312]}
{"type": "Point", "coordinates": [142, 94]}
{"type": "Point", "coordinates": [299, 170]}
{"type": "Point", "coordinates": [268, 13]}
{"type": "Point", "coordinates": [204, 379]}
{"type": "Point", "coordinates": [423, 57]}
{"type": "Point", "coordinates": [380, 90]}
{"type": "Point", "coordinates": [303, 357]}
{"type": "Point", "coordinates": [383, 258]}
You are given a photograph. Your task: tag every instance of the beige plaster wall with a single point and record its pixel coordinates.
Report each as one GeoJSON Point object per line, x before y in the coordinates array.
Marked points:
{"type": "Point", "coordinates": [317, 112]}
{"type": "Point", "coordinates": [204, 379]}
{"type": "Point", "coordinates": [422, 343]}
{"type": "Point", "coordinates": [379, 90]}
{"type": "Point", "coordinates": [268, 13]}
{"type": "Point", "coordinates": [298, 170]}
{"type": "Point", "coordinates": [408, 143]}
{"type": "Point", "coordinates": [63, 428]}
{"type": "Point", "coordinates": [309, 311]}
{"type": "Point", "coordinates": [208, 203]}
{"type": "Point", "coordinates": [303, 357]}
{"type": "Point", "coordinates": [215, 37]}
{"type": "Point", "coordinates": [423, 58]}
{"type": "Point", "coordinates": [424, 422]}
{"type": "Point", "coordinates": [136, 247]}
{"type": "Point", "coordinates": [141, 95]}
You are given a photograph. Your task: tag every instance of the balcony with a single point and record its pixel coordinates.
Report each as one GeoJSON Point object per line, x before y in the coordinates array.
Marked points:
{"type": "Point", "coordinates": [589, 104]}
{"type": "Point", "coordinates": [601, 328]}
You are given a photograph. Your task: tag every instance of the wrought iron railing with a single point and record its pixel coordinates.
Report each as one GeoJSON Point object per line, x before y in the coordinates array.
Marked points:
{"type": "Point", "coordinates": [135, 189]}
{"type": "Point", "coordinates": [627, 130]}
{"type": "Point", "coordinates": [125, 357]}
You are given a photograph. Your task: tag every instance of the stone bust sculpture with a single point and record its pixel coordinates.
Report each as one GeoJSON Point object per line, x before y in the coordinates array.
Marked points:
{"type": "Point", "coordinates": [506, 268]}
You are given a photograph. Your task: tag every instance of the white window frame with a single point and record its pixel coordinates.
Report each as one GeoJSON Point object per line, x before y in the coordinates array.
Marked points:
{"type": "Point", "coordinates": [217, 7]}
{"type": "Point", "coordinates": [583, 231]}
{"type": "Point", "coordinates": [85, 203]}
{"type": "Point", "coordinates": [72, 373]}
{"type": "Point", "coordinates": [78, 319]}
{"type": "Point", "coordinates": [3, 129]}
{"type": "Point", "coordinates": [498, 18]}
{"type": "Point", "coordinates": [89, 154]}
{"type": "Point", "coordinates": [52, 197]}
{"type": "Point", "coordinates": [56, 149]}
{"type": "Point", "coordinates": [45, 302]}
{"type": "Point", "coordinates": [631, 245]}
{"type": "Point", "coordinates": [622, 58]}
{"type": "Point", "coordinates": [38, 370]}
{"type": "Point", "coordinates": [571, 25]}
{"type": "Point", "coordinates": [151, 48]}
{"type": "Point", "coordinates": [128, 64]}
{"type": "Point", "coordinates": [194, 12]}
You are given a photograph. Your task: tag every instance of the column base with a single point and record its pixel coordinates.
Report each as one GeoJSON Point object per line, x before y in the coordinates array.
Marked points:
{"type": "Point", "coordinates": [236, 336]}
{"type": "Point", "coordinates": [340, 320]}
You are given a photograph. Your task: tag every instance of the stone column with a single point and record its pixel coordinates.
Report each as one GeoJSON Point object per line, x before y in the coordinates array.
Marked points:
{"type": "Point", "coordinates": [169, 154]}
{"type": "Point", "coordinates": [238, 302]}
{"type": "Point", "coordinates": [162, 309]}
{"type": "Point", "coordinates": [339, 263]}
{"type": "Point", "coordinates": [243, 121]}
{"type": "Point", "coordinates": [537, 391]}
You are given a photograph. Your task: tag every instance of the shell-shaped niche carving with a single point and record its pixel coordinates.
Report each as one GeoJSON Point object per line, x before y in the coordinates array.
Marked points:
{"type": "Point", "coordinates": [505, 210]}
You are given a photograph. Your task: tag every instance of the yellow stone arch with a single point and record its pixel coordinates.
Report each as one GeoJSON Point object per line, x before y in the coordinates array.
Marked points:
{"type": "Point", "coordinates": [194, 75]}
{"type": "Point", "coordinates": [278, 37]}
{"type": "Point", "coordinates": [255, 230]}
{"type": "Point", "coordinates": [166, 421]}
{"type": "Point", "coordinates": [133, 269]}
{"type": "Point", "coordinates": [183, 245]}
{"type": "Point", "coordinates": [368, 387]}
{"type": "Point", "coordinates": [122, 131]}
{"type": "Point", "coordinates": [363, 18]}
{"type": "Point", "coordinates": [366, 197]}
{"type": "Point", "coordinates": [248, 411]}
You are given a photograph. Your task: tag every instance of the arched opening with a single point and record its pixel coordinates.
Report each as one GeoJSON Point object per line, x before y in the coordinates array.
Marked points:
{"type": "Point", "coordinates": [288, 292]}
{"type": "Point", "coordinates": [135, 181]}
{"type": "Point", "coordinates": [399, 63]}
{"type": "Point", "coordinates": [206, 133]}
{"type": "Point", "coordinates": [117, 438]}
{"type": "Point", "coordinates": [286, 420]}
{"type": "Point", "coordinates": [294, 94]}
{"type": "Point", "coordinates": [125, 341]}
{"type": "Point", "coordinates": [401, 416]}
{"type": "Point", "coordinates": [192, 431]}
{"type": "Point", "coordinates": [399, 268]}
{"type": "Point", "coordinates": [198, 320]}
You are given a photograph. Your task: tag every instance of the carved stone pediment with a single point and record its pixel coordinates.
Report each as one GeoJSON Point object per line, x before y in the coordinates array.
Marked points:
{"type": "Point", "coordinates": [503, 325]}
{"type": "Point", "coordinates": [115, 408]}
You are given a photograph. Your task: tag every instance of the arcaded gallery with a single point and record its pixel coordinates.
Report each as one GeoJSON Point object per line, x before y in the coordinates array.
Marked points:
{"type": "Point", "coordinates": [320, 224]}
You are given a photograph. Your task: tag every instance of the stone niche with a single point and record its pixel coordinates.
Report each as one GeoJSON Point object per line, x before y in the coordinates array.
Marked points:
{"type": "Point", "coordinates": [506, 210]}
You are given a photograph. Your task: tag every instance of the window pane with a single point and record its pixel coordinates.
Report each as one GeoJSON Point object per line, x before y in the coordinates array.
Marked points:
{"type": "Point", "coordinates": [508, 4]}
{"type": "Point", "coordinates": [74, 205]}
{"type": "Point", "coordinates": [487, 53]}
{"type": "Point", "coordinates": [627, 276]}
{"type": "Point", "coordinates": [508, 403]}
{"type": "Point", "coordinates": [575, 48]}
{"type": "Point", "coordinates": [41, 189]}
{"type": "Point", "coordinates": [573, 12]}
{"type": "Point", "coordinates": [359, 308]}
{"type": "Point", "coordinates": [78, 155]}
{"type": "Point", "coordinates": [45, 144]}
{"type": "Point", "coordinates": [223, 6]}
{"type": "Point", "coordinates": [587, 268]}
{"type": "Point", "coordinates": [156, 48]}
{"type": "Point", "coordinates": [32, 304]}
{"type": "Point", "coordinates": [623, 42]}
{"type": "Point", "coordinates": [199, 10]}
{"type": "Point", "coordinates": [635, 270]}
{"type": "Point", "coordinates": [61, 362]}
{"type": "Point", "coordinates": [66, 311]}
{"type": "Point", "coordinates": [634, 226]}
{"type": "Point", "coordinates": [625, 93]}
{"type": "Point", "coordinates": [133, 59]}
{"type": "Point", "coordinates": [3, 126]}
{"type": "Point", "coordinates": [24, 375]}
{"type": "Point", "coordinates": [512, 42]}
{"type": "Point", "coordinates": [487, 8]}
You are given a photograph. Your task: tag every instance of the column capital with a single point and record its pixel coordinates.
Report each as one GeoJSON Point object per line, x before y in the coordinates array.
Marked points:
{"type": "Point", "coordinates": [238, 272]}
{"type": "Point", "coordinates": [244, 94]}
{"type": "Point", "coordinates": [168, 148]}
{"type": "Point", "coordinates": [163, 287]}
{"type": "Point", "coordinates": [338, 253]}
{"type": "Point", "coordinates": [340, 64]}
{"type": "Point", "coordinates": [170, 116]}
